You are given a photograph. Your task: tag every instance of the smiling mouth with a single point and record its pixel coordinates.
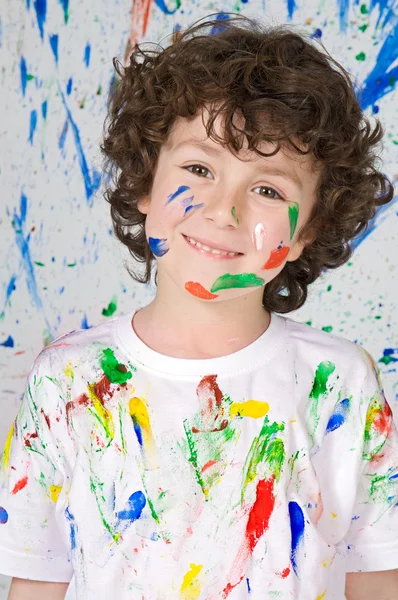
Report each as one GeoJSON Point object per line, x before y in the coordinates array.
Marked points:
{"type": "Point", "coordinates": [209, 250]}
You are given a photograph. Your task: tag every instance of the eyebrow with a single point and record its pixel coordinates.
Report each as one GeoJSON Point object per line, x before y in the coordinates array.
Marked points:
{"type": "Point", "coordinates": [267, 170]}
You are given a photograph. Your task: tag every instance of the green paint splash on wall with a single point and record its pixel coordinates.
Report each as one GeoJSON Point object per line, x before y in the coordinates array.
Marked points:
{"type": "Point", "coordinates": [361, 56]}
{"type": "Point", "coordinates": [111, 308]}
{"type": "Point", "coordinates": [293, 218]}
{"type": "Point", "coordinates": [115, 371]}
{"type": "Point", "coordinates": [242, 280]}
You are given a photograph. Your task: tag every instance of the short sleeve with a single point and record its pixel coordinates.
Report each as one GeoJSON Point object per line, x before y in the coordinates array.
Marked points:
{"type": "Point", "coordinates": [33, 474]}
{"type": "Point", "coordinates": [372, 540]}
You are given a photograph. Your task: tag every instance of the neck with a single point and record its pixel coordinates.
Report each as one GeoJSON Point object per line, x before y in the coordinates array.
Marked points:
{"type": "Point", "coordinates": [182, 326]}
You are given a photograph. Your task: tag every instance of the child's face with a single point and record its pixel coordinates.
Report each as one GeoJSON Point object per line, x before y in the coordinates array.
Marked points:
{"type": "Point", "coordinates": [221, 227]}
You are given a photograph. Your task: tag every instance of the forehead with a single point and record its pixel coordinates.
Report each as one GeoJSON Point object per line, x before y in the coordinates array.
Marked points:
{"type": "Point", "coordinates": [192, 132]}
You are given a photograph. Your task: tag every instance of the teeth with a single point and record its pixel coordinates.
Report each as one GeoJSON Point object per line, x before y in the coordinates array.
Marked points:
{"type": "Point", "coordinates": [211, 250]}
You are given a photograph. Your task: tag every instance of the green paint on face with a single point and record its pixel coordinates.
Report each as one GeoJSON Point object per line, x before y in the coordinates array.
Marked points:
{"type": "Point", "coordinates": [233, 213]}
{"type": "Point", "coordinates": [242, 280]}
{"type": "Point", "coordinates": [115, 371]}
{"type": "Point", "coordinates": [319, 390]}
{"type": "Point", "coordinates": [293, 218]}
{"type": "Point", "coordinates": [267, 448]}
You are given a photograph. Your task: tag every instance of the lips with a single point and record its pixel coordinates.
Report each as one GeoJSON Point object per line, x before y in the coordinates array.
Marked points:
{"type": "Point", "coordinates": [208, 247]}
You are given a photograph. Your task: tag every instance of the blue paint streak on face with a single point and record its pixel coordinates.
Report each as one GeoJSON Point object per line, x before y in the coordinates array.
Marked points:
{"type": "Point", "coordinates": [218, 29]}
{"type": "Point", "coordinates": [44, 109]}
{"type": "Point", "coordinates": [297, 531]}
{"type": "Point", "coordinates": [189, 208]}
{"type": "Point", "coordinates": [91, 182]}
{"type": "Point", "coordinates": [167, 11]}
{"type": "Point", "coordinates": [180, 190]}
{"type": "Point", "coordinates": [69, 86]}
{"type": "Point", "coordinates": [3, 516]}
{"type": "Point", "coordinates": [339, 416]}
{"type": "Point", "coordinates": [32, 126]}
{"type": "Point", "coordinates": [381, 80]}
{"type": "Point", "coordinates": [54, 46]}
{"type": "Point", "coordinates": [377, 220]}
{"type": "Point", "coordinates": [135, 505]}
{"type": "Point", "coordinates": [9, 343]}
{"type": "Point", "coordinates": [87, 52]}
{"type": "Point", "coordinates": [41, 13]}
{"type": "Point", "coordinates": [158, 246]}
{"type": "Point", "coordinates": [24, 75]}
{"type": "Point", "coordinates": [73, 527]}
{"type": "Point", "coordinates": [291, 7]}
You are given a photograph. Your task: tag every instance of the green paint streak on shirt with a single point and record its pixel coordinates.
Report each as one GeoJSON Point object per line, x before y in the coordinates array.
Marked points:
{"type": "Point", "coordinates": [122, 411]}
{"type": "Point", "coordinates": [319, 390]}
{"type": "Point", "coordinates": [193, 458]}
{"type": "Point", "coordinates": [93, 487]}
{"type": "Point", "coordinates": [266, 448]}
{"type": "Point", "coordinates": [111, 308]}
{"type": "Point", "coordinates": [115, 371]}
{"type": "Point", "coordinates": [242, 280]}
{"type": "Point", "coordinates": [293, 218]}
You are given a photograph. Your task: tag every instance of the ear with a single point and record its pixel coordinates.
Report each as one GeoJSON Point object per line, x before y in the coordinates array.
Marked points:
{"type": "Point", "coordinates": [297, 250]}
{"type": "Point", "coordinates": [143, 204]}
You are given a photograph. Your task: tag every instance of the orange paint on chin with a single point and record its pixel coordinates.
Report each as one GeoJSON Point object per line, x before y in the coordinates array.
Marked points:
{"type": "Point", "coordinates": [277, 257]}
{"type": "Point", "coordinates": [199, 291]}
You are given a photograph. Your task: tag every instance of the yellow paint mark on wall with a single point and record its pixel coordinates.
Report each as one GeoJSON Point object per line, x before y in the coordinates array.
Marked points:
{"type": "Point", "coordinates": [7, 447]}
{"type": "Point", "coordinates": [321, 596]}
{"type": "Point", "coordinates": [190, 588]}
{"type": "Point", "coordinates": [251, 408]}
{"type": "Point", "coordinates": [334, 515]}
{"type": "Point", "coordinates": [55, 490]}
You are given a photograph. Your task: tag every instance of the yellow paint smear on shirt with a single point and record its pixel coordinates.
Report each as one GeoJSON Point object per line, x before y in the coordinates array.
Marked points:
{"type": "Point", "coordinates": [251, 408]}
{"type": "Point", "coordinates": [321, 596]}
{"type": "Point", "coordinates": [69, 371]}
{"type": "Point", "coordinates": [190, 589]}
{"type": "Point", "coordinates": [55, 490]}
{"type": "Point", "coordinates": [7, 447]}
{"type": "Point", "coordinates": [139, 414]}
{"type": "Point", "coordinates": [104, 415]}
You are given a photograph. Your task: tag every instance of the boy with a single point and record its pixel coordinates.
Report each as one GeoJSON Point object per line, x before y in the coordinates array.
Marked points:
{"type": "Point", "coordinates": [205, 446]}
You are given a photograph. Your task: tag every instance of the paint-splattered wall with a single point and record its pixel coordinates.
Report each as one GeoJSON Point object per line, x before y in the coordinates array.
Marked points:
{"type": "Point", "coordinates": [61, 269]}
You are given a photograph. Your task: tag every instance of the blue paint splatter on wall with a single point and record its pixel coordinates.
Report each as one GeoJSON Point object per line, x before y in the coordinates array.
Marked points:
{"type": "Point", "coordinates": [219, 28]}
{"type": "Point", "coordinates": [291, 7]}
{"type": "Point", "coordinates": [54, 46]}
{"type": "Point", "coordinates": [339, 415]}
{"type": "Point", "coordinates": [87, 52]}
{"type": "Point", "coordinates": [65, 7]}
{"type": "Point", "coordinates": [158, 246]}
{"type": "Point", "coordinates": [91, 182]}
{"type": "Point", "coordinates": [167, 11]}
{"type": "Point", "coordinates": [11, 287]}
{"type": "Point", "coordinates": [9, 343]}
{"type": "Point", "coordinates": [135, 505]}
{"type": "Point", "coordinates": [41, 13]}
{"type": "Point", "coordinates": [32, 126]}
{"type": "Point", "coordinates": [377, 220]}
{"type": "Point", "coordinates": [44, 109]}
{"type": "Point", "coordinates": [3, 516]}
{"type": "Point", "coordinates": [69, 86]}
{"type": "Point", "coordinates": [24, 75]}
{"type": "Point", "coordinates": [297, 531]}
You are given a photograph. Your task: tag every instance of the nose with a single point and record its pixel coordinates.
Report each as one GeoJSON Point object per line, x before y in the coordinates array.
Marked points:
{"type": "Point", "coordinates": [222, 208]}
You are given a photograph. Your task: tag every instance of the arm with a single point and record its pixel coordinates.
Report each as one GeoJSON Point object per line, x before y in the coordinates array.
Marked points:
{"type": "Point", "coordinates": [25, 589]}
{"type": "Point", "coordinates": [382, 585]}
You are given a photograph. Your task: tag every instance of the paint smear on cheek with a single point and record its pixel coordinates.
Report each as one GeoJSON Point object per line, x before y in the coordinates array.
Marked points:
{"type": "Point", "coordinates": [258, 236]}
{"type": "Point", "coordinates": [158, 246]}
{"type": "Point", "coordinates": [178, 192]}
{"type": "Point", "coordinates": [196, 289]}
{"type": "Point", "coordinates": [293, 218]}
{"type": "Point", "coordinates": [241, 280]}
{"type": "Point", "coordinates": [278, 256]}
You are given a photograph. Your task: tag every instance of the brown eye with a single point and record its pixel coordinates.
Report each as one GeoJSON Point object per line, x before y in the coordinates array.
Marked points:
{"type": "Point", "coordinates": [198, 170]}
{"type": "Point", "coordinates": [268, 192]}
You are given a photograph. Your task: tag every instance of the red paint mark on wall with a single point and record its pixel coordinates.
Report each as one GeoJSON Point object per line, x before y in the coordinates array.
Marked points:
{"type": "Point", "coordinates": [20, 485]}
{"type": "Point", "coordinates": [261, 511]}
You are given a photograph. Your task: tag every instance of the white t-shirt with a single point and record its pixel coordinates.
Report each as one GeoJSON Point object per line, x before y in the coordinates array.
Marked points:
{"type": "Point", "coordinates": [267, 473]}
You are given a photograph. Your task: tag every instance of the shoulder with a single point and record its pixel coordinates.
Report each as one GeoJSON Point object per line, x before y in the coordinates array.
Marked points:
{"type": "Point", "coordinates": [312, 347]}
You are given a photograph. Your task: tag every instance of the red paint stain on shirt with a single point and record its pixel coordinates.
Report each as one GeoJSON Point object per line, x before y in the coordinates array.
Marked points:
{"type": "Point", "coordinates": [20, 485]}
{"type": "Point", "coordinates": [261, 511]}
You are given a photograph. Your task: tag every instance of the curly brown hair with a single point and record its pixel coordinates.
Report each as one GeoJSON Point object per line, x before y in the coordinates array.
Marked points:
{"type": "Point", "coordinates": [289, 91]}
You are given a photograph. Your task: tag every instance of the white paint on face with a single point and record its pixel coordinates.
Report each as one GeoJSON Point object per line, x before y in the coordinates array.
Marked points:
{"type": "Point", "coordinates": [258, 236]}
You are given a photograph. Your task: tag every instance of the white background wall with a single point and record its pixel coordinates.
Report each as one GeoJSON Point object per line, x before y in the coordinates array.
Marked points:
{"type": "Point", "coordinates": [61, 268]}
